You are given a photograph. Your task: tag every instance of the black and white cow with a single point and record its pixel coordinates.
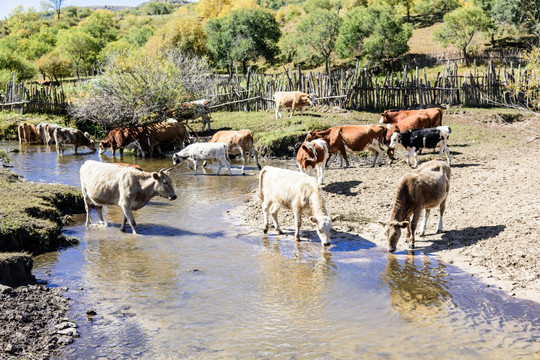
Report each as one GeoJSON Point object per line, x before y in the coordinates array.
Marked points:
{"type": "Point", "coordinates": [415, 140]}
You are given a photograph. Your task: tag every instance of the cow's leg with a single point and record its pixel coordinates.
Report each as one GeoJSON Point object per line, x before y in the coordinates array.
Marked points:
{"type": "Point", "coordinates": [255, 154]}
{"type": "Point", "coordinates": [292, 111]}
{"type": "Point", "coordinates": [409, 153]}
{"type": "Point", "coordinates": [228, 163]}
{"type": "Point", "coordinates": [442, 207]}
{"type": "Point", "coordinates": [412, 227]}
{"type": "Point", "coordinates": [244, 155]}
{"type": "Point", "coordinates": [88, 208]}
{"type": "Point", "coordinates": [375, 155]}
{"type": "Point", "coordinates": [274, 213]}
{"type": "Point", "coordinates": [76, 148]}
{"type": "Point", "coordinates": [320, 172]}
{"type": "Point", "coordinates": [196, 166]}
{"type": "Point", "coordinates": [277, 112]}
{"type": "Point", "coordinates": [265, 207]}
{"type": "Point", "coordinates": [129, 215]}
{"type": "Point", "coordinates": [298, 222]}
{"type": "Point", "coordinates": [416, 157]}
{"type": "Point", "coordinates": [422, 229]}
{"type": "Point", "coordinates": [99, 211]}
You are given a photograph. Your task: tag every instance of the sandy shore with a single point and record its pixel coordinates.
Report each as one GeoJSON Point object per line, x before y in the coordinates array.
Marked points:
{"type": "Point", "coordinates": [492, 219]}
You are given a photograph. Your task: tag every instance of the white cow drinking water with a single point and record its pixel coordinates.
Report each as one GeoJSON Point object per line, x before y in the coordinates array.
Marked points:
{"type": "Point", "coordinates": [299, 192]}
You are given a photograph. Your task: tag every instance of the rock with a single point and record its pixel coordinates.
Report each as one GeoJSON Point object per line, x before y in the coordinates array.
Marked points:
{"type": "Point", "coordinates": [65, 325]}
{"type": "Point", "coordinates": [65, 340]}
{"type": "Point", "coordinates": [91, 313]}
{"type": "Point", "coordinates": [68, 332]}
{"type": "Point", "coordinates": [5, 289]}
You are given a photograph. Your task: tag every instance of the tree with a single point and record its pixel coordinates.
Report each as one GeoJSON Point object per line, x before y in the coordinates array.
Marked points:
{"type": "Point", "coordinates": [138, 87]}
{"type": "Point", "coordinates": [187, 35]}
{"type": "Point", "coordinates": [312, 5]}
{"type": "Point", "coordinates": [79, 47]}
{"type": "Point", "coordinates": [56, 5]}
{"type": "Point", "coordinates": [435, 7]}
{"type": "Point", "coordinates": [523, 14]}
{"type": "Point", "coordinates": [101, 26]}
{"type": "Point", "coordinates": [316, 35]}
{"type": "Point", "coordinates": [215, 8]}
{"type": "Point", "coordinates": [53, 66]}
{"type": "Point", "coordinates": [375, 31]}
{"type": "Point", "coordinates": [12, 63]}
{"type": "Point", "coordinates": [460, 26]}
{"type": "Point", "coordinates": [243, 35]}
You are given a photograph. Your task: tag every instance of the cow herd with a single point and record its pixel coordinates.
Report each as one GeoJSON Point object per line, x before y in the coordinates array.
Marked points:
{"type": "Point", "coordinates": [130, 188]}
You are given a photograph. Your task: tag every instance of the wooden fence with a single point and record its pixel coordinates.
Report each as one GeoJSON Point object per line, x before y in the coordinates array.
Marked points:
{"type": "Point", "coordinates": [360, 89]}
{"type": "Point", "coordinates": [32, 97]}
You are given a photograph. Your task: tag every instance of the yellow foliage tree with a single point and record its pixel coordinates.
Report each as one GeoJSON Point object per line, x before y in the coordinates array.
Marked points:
{"type": "Point", "coordinates": [186, 34]}
{"type": "Point", "coordinates": [215, 8]}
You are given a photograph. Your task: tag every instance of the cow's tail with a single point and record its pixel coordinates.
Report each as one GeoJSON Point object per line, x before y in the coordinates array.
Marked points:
{"type": "Point", "coordinates": [261, 179]}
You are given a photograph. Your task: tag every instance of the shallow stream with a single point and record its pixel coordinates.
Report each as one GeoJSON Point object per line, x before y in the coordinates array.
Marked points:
{"type": "Point", "coordinates": [194, 286]}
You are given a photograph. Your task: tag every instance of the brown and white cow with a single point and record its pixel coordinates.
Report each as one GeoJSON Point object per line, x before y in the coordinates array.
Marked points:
{"type": "Point", "coordinates": [292, 99]}
{"type": "Point", "coordinates": [292, 190]}
{"type": "Point", "coordinates": [313, 155]}
{"type": "Point", "coordinates": [352, 138]}
{"type": "Point", "coordinates": [425, 188]}
{"type": "Point", "coordinates": [238, 142]}
{"type": "Point", "coordinates": [122, 138]}
{"type": "Point", "coordinates": [393, 117]}
{"type": "Point", "coordinates": [28, 133]}
{"type": "Point", "coordinates": [69, 136]}
{"type": "Point", "coordinates": [166, 132]}
{"type": "Point", "coordinates": [109, 184]}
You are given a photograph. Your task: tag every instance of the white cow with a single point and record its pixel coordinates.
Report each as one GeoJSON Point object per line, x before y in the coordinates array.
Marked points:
{"type": "Point", "coordinates": [204, 151]}
{"type": "Point", "coordinates": [287, 189]}
{"type": "Point", "coordinates": [131, 189]}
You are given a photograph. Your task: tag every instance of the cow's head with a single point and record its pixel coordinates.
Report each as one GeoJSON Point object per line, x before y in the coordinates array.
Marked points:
{"type": "Point", "coordinates": [163, 184]}
{"type": "Point", "coordinates": [179, 158]}
{"type": "Point", "coordinates": [103, 146]}
{"type": "Point", "coordinates": [392, 230]}
{"type": "Point", "coordinates": [324, 227]}
{"type": "Point", "coordinates": [311, 135]}
{"type": "Point", "coordinates": [311, 99]}
{"type": "Point", "coordinates": [395, 139]}
{"type": "Point", "coordinates": [384, 117]}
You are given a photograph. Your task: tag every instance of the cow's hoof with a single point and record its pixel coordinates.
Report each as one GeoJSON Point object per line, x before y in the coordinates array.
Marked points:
{"type": "Point", "coordinates": [265, 231]}
{"type": "Point", "coordinates": [440, 231]}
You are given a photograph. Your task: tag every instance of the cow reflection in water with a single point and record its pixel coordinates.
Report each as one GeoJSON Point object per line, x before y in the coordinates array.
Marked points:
{"type": "Point", "coordinates": [416, 290]}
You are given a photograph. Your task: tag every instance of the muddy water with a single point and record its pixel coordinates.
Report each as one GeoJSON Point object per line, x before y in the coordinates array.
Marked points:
{"type": "Point", "coordinates": [194, 286]}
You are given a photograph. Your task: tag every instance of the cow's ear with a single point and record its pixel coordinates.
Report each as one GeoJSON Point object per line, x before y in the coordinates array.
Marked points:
{"type": "Point", "coordinates": [313, 219]}
{"type": "Point", "coordinates": [155, 175]}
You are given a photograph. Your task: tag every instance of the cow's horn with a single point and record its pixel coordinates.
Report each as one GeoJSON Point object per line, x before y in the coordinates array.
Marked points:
{"type": "Point", "coordinates": [165, 170]}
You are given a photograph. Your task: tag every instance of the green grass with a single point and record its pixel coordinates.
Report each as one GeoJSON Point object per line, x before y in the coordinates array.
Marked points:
{"type": "Point", "coordinates": [31, 214]}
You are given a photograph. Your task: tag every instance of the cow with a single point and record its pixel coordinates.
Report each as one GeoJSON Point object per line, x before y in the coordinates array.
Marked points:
{"type": "Point", "coordinates": [292, 190]}
{"type": "Point", "coordinates": [352, 138]}
{"type": "Point", "coordinates": [313, 155]}
{"type": "Point", "coordinates": [69, 136]}
{"type": "Point", "coordinates": [165, 132]}
{"type": "Point", "coordinates": [122, 138]}
{"type": "Point", "coordinates": [393, 117]}
{"type": "Point", "coordinates": [415, 140]}
{"type": "Point", "coordinates": [192, 110]}
{"type": "Point", "coordinates": [419, 121]}
{"type": "Point", "coordinates": [204, 151]}
{"type": "Point", "coordinates": [49, 132]}
{"type": "Point", "coordinates": [238, 142]}
{"type": "Point", "coordinates": [129, 188]}
{"type": "Point", "coordinates": [28, 133]}
{"type": "Point", "coordinates": [425, 188]}
{"type": "Point", "coordinates": [292, 99]}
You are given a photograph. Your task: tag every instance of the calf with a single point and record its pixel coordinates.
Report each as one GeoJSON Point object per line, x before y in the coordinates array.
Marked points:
{"type": "Point", "coordinates": [292, 99]}
{"type": "Point", "coordinates": [122, 138]}
{"type": "Point", "coordinates": [425, 188]}
{"type": "Point", "coordinates": [168, 132]}
{"type": "Point", "coordinates": [352, 138]}
{"type": "Point", "coordinates": [28, 133]}
{"type": "Point", "coordinates": [75, 137]}
{"type": "Point", "coordinates": [420, 121]}
{"type": "Point", "coordinates": [287, 189]}
{"type": "Point", "coordinates": [393, 117]}
{"type": "Point", "coordinates": [204, 151]}
{"type": "Point", "coordinates": [131, 189]}
{"type": "Point", "coordinates": [238, 142]}
{"type": "Point", "coordinates": [313, 155]}
{"type": "Point", "coordinates": [415, 140]}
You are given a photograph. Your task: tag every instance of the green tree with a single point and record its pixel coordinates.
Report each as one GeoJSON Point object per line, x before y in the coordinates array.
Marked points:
{"type": "Point", "coordinates": [12, 63]}
{"type": "Point", "coordinates": [187, 35]}
{"type": "Point", "coordinates": [54, 66]}
{"type": "Point", "coordinates": [157, 8]}
{"type": "Point", "coordinates": [435, 7]}
{"type": "Point", "coordinates": [56, 5]}
{"type": "Point", "coordinates": [460, 26]}
{"type": "Point", "coordinates": [319, 31]}
{"type": "Point", "coordinates": [79, 47]}
{"type": "Point", "coordinates": [243, 35]}
{"type": "Point", "coordinates": [375, 31]}
{"type": "Point", "coordinates": [101, 26]}
{"type": "Point", "coordinates": [523, 14]}
{"type": "Point", "coordinates": [312, 5]}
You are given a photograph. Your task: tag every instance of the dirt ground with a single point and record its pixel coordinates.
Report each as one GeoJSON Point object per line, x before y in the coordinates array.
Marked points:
{"type": "Point", "coordinates": [492, 218]}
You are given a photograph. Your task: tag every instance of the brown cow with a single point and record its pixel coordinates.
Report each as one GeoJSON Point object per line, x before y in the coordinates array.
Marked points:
{"type": "Point", "coordinates": [352, 138]}
{"type": "Point", "coordinates": [292, 99]}
{"type": "Point", "coordinates": [425, 188]}
{"type": "Point", "coordinates": [122, 138]}
{"type": "Point", "coordinates": [166, 132]}
{"type": "Point", "coordinates": [313, 155]}
{"type": "Point", "coordinates": [238, 142]}
{"type": "Point", "coordinates": [393, 117]}
{"type": "Point", "coordinates": [75, 137]}
{"type": "Point", "coordinates": [28, 133]}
